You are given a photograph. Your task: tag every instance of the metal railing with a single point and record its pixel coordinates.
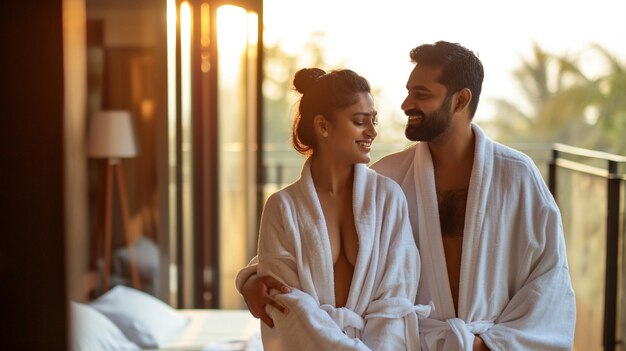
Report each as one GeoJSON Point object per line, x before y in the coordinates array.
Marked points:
{"type": "Point", "coordinates": [569, 158]}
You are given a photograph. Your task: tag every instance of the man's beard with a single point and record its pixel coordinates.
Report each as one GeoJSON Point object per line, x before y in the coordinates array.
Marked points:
{"type": "Point", "coordinates": [431, 125]}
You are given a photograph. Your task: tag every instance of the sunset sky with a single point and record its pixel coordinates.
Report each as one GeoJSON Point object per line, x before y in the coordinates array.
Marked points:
{"type": "Point", "coordinates": [375, 40]}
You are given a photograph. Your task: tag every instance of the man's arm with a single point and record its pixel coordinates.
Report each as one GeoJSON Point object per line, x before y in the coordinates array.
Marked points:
{"type": "Point", "coordinates": [541, 314]}
{"type": "Point", "coordinates": [255, 289]}
{"type": "Point", "coordinates": [256, 293]}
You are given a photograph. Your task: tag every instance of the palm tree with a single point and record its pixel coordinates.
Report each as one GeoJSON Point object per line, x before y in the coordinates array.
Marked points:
{"type": "Point", "coordinates": [565, 105]}
{"type": "Point", "coordinates": [610, 107]}
{"type": "Point", "coordinates": [555, 90]}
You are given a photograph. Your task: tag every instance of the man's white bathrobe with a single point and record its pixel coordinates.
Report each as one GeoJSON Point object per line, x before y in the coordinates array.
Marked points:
{"type": "Point", "coordinates": [515, 290]}
{"type": "Point", "coordinates": [294, 248]}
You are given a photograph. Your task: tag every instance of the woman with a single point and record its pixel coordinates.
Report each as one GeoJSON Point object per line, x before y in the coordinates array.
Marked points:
{"type": "Point", "coordinates": [339, 235]}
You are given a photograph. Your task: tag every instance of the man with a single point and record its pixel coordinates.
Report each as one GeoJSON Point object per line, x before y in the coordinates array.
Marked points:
{"type": "Point", "coordinates": [487, 228]}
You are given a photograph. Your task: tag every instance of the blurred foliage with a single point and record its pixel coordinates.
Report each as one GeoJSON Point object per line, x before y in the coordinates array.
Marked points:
{"type": "Point", "coordinates": [281, 161]}
{"type": "Point", "coordinates": [280, 96]}
{"type": "Point", "coordinates": [565, 105]}
{"type": "Point", "coordinates": [280, 103]}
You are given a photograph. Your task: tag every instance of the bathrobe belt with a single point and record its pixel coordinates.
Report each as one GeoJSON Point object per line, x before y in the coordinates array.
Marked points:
{"type": "Point", "coordinates": [434, 330]}
{"type": "Point", "coordinates": [394, 307]}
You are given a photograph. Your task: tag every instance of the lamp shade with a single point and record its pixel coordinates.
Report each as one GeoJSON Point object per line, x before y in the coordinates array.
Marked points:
{"type": "Point", "coordinates": [111, 135]}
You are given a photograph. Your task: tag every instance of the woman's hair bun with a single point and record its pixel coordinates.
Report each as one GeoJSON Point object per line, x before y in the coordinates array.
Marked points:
{"type": "Point", "coordinates": [306, 77]}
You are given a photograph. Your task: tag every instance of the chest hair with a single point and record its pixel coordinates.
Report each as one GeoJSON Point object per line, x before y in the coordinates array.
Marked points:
{"type": "Point", "coordinates": [452, 205]}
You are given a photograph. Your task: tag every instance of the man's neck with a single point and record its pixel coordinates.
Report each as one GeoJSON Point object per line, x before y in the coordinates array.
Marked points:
{"type": "Point", "coordinates": [453, 158]}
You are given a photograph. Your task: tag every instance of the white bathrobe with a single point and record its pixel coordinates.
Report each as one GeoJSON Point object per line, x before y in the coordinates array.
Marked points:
{"type": "Point", "coordinates": [515, 290]}
{"type": "Point", "coordinates": [294, 248]}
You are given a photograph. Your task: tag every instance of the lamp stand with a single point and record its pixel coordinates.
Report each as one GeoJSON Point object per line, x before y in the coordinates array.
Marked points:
{"type": "Point", "coordinates": [114, 165]}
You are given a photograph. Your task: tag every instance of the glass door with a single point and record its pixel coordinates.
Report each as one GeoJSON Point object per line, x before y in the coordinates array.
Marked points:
{"type": "Point", "coordinates": [214, 79]}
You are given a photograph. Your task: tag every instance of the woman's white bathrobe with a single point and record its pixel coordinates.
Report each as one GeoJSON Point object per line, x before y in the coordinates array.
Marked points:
{"type": "Point", "coordinates": [294, 247]}
{"type": "Point", "coordinates": [515, 289]}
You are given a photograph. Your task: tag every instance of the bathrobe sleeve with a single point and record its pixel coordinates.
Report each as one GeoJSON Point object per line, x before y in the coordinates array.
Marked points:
{"type": "Point", "coordinates": [307, 326]}
{"type": "Point", "coordinates": [541, 314]}
{"type": "Point", "coordinates": [391, 318]}
{"type": "Point", "coordinates": [245, 273]}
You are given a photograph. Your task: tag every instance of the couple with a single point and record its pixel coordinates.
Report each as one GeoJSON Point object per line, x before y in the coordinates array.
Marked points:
{"type": "Point", "coordinates": [337, 267]}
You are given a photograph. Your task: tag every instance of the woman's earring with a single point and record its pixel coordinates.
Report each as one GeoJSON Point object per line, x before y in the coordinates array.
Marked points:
{"type": "Point", "coordinates": [325, 134]}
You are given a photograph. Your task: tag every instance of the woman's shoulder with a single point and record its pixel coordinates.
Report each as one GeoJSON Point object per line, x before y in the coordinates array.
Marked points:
{"type": "Point", "coordinates": [285, 196]}
{"type": "Point", "coordinates": [280, 196]}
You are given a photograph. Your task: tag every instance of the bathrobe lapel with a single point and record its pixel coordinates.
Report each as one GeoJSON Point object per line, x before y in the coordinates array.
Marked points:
{"type": "Point", "coordinates": [476, 208]}
{"type": "Point", "coordinates": [430, 228]}
{"type": "Point", "coordinates": [364, 221]}
{"type": "Point", "coordinates": [430, 234]}
{"type": "Point", "coordinates": [315, 233]}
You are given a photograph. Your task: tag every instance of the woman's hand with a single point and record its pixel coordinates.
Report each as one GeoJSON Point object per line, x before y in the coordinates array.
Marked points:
{"type": "Point", "coordinates": [256, 294]}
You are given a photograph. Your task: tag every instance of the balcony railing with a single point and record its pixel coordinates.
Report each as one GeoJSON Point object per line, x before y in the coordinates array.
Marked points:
{"type": "Point", "coordinates": [572, 172]}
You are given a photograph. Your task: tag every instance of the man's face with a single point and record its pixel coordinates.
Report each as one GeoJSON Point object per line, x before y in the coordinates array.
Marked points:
{"type": "Point", "coordinates": [427, 105]}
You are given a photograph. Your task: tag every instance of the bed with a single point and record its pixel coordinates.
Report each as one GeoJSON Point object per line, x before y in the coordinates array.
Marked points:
{"type": "Point", "coordinates": [216, 330]}
{"type": "Point", "coordinates": [129, 319]}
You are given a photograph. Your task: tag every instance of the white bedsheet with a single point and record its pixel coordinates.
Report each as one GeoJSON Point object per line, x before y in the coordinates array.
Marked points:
{"type": "Point", "coordinates": [217, 330]}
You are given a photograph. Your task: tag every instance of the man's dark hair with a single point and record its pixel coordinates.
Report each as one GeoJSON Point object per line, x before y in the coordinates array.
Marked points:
{"type": "Point", "coordinates": [460, 68]}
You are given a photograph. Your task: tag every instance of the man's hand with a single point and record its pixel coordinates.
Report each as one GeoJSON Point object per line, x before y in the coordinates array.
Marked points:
{"type": "Point", "coordinates": [479, 344]}
{"type": "Point", "coordinates": [256, 293]}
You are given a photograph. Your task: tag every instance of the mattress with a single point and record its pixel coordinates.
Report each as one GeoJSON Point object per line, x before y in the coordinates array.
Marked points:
{"type": "Point", "coordinates": [217, 330]}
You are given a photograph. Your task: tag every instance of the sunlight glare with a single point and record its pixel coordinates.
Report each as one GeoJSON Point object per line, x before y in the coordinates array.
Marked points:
{"type": "Point", "coordinates": [232, 33]}
{"type": "Point", "coordinates": [171, 69]}
{"type": "Point", "coordinates": [253, 29]}
{"type": "Point", "coordinates": [185, 60]}
{"type": "Point", "coordinates": [171, 137]}
{"type": "Point", "coordinates": [500, 32]}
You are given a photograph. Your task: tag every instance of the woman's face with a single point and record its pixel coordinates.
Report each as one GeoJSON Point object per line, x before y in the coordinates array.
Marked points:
{"type": "Point", "coordinates": [352, 130]}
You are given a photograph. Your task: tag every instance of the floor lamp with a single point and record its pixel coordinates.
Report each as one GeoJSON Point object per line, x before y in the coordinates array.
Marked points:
{"type": "Point", "coordinates": [111, 137]}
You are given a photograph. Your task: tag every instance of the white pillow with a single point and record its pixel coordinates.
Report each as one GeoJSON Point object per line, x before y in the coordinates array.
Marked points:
{"type": "Point", "coordinates": [93, 331]}
{"type": "Point", "coordinates": [144, 319]}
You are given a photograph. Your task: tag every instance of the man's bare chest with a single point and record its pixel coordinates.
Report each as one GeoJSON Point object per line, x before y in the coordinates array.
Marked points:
{"type": "Point", "coordinates": [452, 205]}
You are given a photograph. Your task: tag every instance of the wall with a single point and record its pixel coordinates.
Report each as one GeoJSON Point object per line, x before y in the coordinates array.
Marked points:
{"type": "Point", "coordinates": [32, 245]}
{"type": "Point", "coordinates": [76, 208]}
